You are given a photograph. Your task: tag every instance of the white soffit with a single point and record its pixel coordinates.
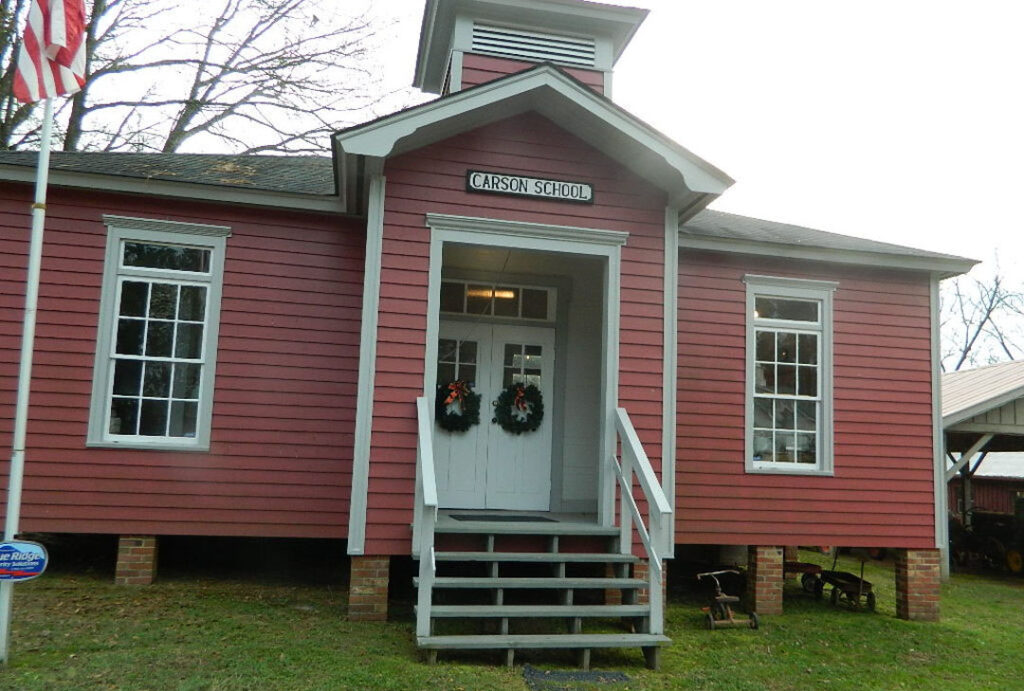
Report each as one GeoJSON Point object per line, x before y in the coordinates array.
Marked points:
{"type": "Point", "coordinates": [546, 90]}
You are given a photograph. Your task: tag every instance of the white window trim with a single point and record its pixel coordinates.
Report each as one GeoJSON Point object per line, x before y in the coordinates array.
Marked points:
{"type": "Point", "coordinates": [801, 289]}
{"type": "Point", "coordinates": [119, 229]}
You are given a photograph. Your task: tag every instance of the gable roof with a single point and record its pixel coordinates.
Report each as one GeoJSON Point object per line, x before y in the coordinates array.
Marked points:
{"type": "Point", "coordinates": [720, 231]}
{"type": "Point", "coordinates": [971, 392]}
{"type": "Point", "coordinates": [689, 181]}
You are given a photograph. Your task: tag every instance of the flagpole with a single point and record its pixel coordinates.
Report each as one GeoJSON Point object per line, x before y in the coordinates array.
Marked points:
{"type": "Point", "coordinates": [28, 336]}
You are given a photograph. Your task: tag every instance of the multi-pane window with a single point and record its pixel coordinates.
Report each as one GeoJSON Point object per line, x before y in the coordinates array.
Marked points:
{"type": "Point", "coordinates": [456, 360]}
{"type": "Point", "coordinates": [507, 301]}
{"type": "Point", "coordinates": [154, 367]}
{"type": "Point", "coordinates": [789, 375]}
{"type": "Point", "coordinates": [522, 364]}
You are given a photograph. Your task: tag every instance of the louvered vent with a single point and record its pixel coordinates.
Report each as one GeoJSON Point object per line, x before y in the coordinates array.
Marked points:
{"type": "Point", "coordinates": [536, 47]}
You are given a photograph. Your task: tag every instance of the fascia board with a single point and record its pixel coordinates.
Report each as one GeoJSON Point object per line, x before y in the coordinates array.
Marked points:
{"type": "Point", "coordinates": [577, 108]}
{"type": "Point", "coordinates": [943, 267]}
{"type": "Point", "coordinates": [186, 190]}
{"type": "Point", "coordinates": [959, 416]}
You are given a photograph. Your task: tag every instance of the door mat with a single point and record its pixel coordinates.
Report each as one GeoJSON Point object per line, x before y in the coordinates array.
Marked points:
{"type": "Point", "coordinates": [541, 680]}
{"type": "Point", "coordinates": [502, 518]}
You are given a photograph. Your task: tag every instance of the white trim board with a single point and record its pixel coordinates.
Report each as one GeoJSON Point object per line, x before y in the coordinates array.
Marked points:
{"type": "Point", "coordinates": [367, 369]}
{"type": "Point", "coordinates": [544, 238]}
{"type": "Point", "coordinates": [670, 364]}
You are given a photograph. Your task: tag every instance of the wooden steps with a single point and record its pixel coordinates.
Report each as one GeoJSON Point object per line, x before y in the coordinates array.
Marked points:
{"type": "Point", "coordinates": [533, 585]}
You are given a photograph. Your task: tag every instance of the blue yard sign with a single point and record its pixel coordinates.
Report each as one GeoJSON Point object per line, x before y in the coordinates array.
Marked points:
{"type": "Point", "coordinates": [21, 561]}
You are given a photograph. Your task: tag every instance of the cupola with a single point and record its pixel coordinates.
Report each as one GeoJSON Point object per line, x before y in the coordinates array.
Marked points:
{"type": "Point", "coordinates": [465, 43]}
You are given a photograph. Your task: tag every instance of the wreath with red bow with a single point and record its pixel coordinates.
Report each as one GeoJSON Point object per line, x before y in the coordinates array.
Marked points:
{"type": "Point", "coordinates": [519, 408]}
{"type": "Point", "coordinates": [457, 406]}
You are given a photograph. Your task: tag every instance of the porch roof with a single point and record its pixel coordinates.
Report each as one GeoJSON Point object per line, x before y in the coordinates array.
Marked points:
{"type": "Point", "coordinates": [689, 181]}
{"type": "Point", "coordinates": [983, 401]}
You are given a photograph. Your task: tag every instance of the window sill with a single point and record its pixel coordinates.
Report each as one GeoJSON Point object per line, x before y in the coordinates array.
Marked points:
{"type": "Point", "coordinates": [147, 446]}
{"type": "Point", "coordinates": [768, 470]}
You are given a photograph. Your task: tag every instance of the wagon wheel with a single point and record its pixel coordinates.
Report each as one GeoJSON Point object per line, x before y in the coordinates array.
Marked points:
{"type": "Point", "coordinates": [993, 552]}
{"type": "Point", "coordinates": [709, 621]}
{"type": "Point", "coordinates": [870, 601]}
{"type": "Point", "coordinates": [819, 589]}
{"type": "Point", "coordinates": [835, 595]}
{"type": "Point", "coordinates": [1015, 561]}
{"type": "Point", "coordinates": [809, 582]}
{"type": "Point", "coordinates": [753, 620]}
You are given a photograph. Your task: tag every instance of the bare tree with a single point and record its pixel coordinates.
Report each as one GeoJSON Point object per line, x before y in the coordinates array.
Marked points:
{"type": "Point", "coordinates": [981, 322]}
{"type": "Point", "coordinates": [240, 75]}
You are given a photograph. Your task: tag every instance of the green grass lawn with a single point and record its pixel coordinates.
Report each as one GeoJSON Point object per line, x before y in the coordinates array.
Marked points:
{"type": "Point", "coordinates": [80, 632]}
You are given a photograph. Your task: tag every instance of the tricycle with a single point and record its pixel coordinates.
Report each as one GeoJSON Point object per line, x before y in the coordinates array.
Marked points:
{"type": "Point", "coordinates": [718, 612]}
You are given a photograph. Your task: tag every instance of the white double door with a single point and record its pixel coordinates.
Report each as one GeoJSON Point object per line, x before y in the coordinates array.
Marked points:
{"type": "Point", "coordinates": [486, 467]}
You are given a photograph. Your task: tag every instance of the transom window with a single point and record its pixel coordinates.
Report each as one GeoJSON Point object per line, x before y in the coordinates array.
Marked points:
{"type": "Point", "coordinates": [789, 375]}
{"type": "Point", "coordinates": [159, 312]}
{"type": "Point", "coordinates": [505, 301]}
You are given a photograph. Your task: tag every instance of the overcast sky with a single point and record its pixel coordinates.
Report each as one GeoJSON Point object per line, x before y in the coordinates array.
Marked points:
{"type": "Point", "coordinates": [898, 120]}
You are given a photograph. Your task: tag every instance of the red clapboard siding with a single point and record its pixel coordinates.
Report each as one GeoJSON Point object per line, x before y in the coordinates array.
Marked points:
{"type": "Point", "coordinates": [480, 69]}
{"type": "Point", "coordinates": [280, 462]}
{"type": "Point", "coordinates": [882, 491]}
{"type": "Point", "coordinates": [432, 179]}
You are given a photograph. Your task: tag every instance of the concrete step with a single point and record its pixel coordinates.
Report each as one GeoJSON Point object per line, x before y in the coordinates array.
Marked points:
{"type": "Point", "coordinates": [538, 611]}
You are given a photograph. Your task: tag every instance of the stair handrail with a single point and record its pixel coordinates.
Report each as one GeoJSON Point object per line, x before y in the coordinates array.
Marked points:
{"type": "Point", "coordinates": [424, 513]}
{"type": "Point", "coordinates": [655, 535]}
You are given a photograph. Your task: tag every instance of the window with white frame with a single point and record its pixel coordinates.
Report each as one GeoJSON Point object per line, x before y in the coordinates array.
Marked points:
{"type": "Point", "coordinates": [789, 375]}
{"type": "Point", "coordinates": [159, 319]}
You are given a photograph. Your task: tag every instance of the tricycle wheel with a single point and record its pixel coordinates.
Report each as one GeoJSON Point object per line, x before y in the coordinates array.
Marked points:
{"type": "Point", "coordinates": [753, 620]}
{"type": "Point", "coordinates": [719, 612]}
{"type": "Point", "coordinates": [809, 582]}
{"type": "Point", "coordinates": [709, 621]}
{"type": "Point", "coordinates": [1015, 561]}
{"type": "Point", "coordinates": [870, 601]}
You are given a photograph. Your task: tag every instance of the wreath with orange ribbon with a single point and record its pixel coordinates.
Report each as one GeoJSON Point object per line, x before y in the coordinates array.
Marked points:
{"type": "Point", "coordinates": [519, 408]}
{"type": "Point", "coordinates": [457, 406]}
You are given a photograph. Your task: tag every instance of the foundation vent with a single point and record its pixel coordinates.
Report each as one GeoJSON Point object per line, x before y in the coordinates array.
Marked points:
{"type": "Point", "coordinates": [532, 46]}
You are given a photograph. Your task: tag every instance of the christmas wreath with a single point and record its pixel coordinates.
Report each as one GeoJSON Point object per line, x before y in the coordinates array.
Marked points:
{"type": "Point", "coordinates": [457, 406]}
{"type": "Point", "coordinates": [519, 408]}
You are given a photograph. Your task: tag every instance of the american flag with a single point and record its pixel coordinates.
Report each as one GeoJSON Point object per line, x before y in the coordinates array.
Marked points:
{"type": "Point", "coordinates": [52, 57]}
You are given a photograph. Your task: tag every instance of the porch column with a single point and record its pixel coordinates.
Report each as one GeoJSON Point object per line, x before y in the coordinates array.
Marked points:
{"type": "Point", "coordinates": [764, 579]}
{"type": "Point", "coordinates": [917, 584]}
{"type": "Point", "coordinates": [368, 588]}
{"type": "Point", "coordinates": [136, 560]}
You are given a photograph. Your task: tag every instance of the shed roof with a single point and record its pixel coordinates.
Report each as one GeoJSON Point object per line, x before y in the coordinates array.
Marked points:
{"type": "Point", "coordinates": [312, 175]}
{"type": "Point", "coordinates": [716, 230]}
{"type": "Point", "coordinates": [971, 392]}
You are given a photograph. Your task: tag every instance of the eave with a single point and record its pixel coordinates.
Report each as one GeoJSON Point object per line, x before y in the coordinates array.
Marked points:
{"type": "Point", "coordinates": [941, 266]}
{"type": "Point", "coordinates": [177, 190]}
